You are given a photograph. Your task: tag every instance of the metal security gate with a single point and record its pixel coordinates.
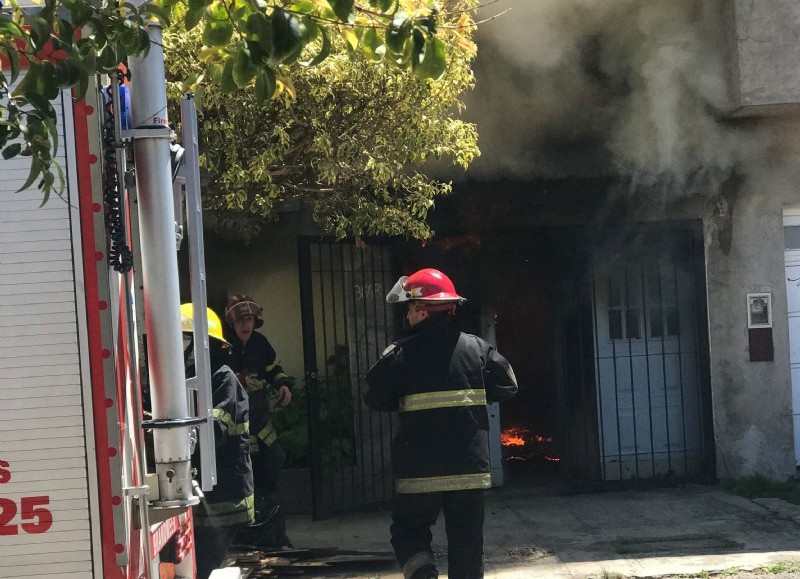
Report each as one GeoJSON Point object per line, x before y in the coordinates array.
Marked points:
{"type": "Point", "coordinates": [346, 326]}
{"type": "Point", "coordinates": [635, 394]}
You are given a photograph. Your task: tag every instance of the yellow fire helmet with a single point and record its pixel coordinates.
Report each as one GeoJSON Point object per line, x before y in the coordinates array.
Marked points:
{"type": "Point", "coordinates": [214, 323]}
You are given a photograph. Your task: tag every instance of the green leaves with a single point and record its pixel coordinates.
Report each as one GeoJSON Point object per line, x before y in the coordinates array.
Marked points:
{"type": "Point", "coordinates": [431, 60]}
{"type": "Point", "coordinates": [244, 45]}
{"type": "Point", "coordinates": [265, 84]}
{"type": "Point", "coordinates": [226, 83]}
{"type": "Point", "coordinates": [244, 37]}
{"type": "Point", "coordinates": [81, 13]}
{"type": "Point", "coordinates": [413, 42]}
{"type": "Point", "coordinates": [374, 45]}
{"type": "Point", "coordinates": [39, 32]}
{"type": "Point", "coordinates": [107, 59]}
{"type": "Point", "coordinates": [347, 133]}
{"type": "Point", "coordinates": [243, 69]}
{"type": "Point", "coordinates": [324, 51]}
{"type": "Point", "coordinates": [56, 59]}
{"type": "Point", "coordinates": [197, 9]}
{"type": "Point", "coordinates": [219, 29]}
{"type": "Point", "coordinates": [65, 31]}
{"type": "Point", "coordinates": [29, 121]}
{"type": "Point", "coordinates": [382, 5]}
{"type": "Point", "coordinates": [12, 150]}
{"type": "Point", "coordinates": [343, 10]}
{"type": "Point", "coordinates": [287, 36]}
{"type": "Point", "coordinates": [40, 80]}
{"type": "Point", "coordinates": [157, 12]}
{"type": "Point", "coordinates": [398, 34]}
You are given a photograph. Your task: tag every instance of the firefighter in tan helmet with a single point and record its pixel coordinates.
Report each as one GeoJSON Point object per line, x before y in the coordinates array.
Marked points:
{"type": "Point", "coordinates": [439, 380]}
{"type": "Point", "coordinates": [259, 370]}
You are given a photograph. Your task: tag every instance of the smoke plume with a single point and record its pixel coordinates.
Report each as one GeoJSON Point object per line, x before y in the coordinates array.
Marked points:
{"type": "Point", "coordinates": [627, 88]}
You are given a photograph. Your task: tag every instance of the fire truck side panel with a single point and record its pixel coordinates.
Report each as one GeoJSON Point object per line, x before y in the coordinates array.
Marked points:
{"type": "Point", "coordinates": [49, 507]}
{"type": "Point", "coordinates": [114, 525]}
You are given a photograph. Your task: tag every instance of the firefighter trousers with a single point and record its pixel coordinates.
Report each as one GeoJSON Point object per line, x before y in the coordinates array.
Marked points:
{"type": "Point", "coordinates": [413, 515]}
{"type": "Point", "coordinates": [267, 465]}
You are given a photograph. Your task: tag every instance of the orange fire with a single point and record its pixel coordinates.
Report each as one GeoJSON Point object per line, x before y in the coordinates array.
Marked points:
{"type": "Point", "coordinates": [514, 436]}
{"type": "Point", "coordinates": [519, 436]}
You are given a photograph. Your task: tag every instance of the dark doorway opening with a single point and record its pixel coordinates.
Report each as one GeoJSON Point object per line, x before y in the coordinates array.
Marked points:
{"type": "Point", "coordinates": [606, 331]}
{"type": "Point", "coordinates": [517, 274]}
{"type": "Point", "coordinates": [527, 268]}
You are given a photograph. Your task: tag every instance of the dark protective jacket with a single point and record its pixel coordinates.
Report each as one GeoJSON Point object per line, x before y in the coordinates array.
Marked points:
{"type": "Point", "coordinates": [259, 370]}
{"type": "Point", "coordinates": [231, 501]}
{"type": "Point", "coordinates": [439, 380]}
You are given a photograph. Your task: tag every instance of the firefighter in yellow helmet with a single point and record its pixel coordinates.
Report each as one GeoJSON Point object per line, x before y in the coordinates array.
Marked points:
{"type": "Point", "coordinates": [439, 380]}
{"type": "Point", "coordinates": [229, 506]}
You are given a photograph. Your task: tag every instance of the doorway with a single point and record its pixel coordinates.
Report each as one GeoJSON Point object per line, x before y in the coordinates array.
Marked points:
{"type": "Point", "coordinates": [606, 331]}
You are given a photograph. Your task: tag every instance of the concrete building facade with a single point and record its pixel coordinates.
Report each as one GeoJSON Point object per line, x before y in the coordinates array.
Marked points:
{"type": "Point", "coordinates": [607, 114]}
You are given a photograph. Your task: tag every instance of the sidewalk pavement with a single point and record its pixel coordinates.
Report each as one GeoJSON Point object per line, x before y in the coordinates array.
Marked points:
{"type": "Point", "coordinates": [531, 534]}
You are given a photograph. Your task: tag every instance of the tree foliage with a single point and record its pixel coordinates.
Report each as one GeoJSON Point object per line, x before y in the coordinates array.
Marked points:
{"type": "Point", "coordinates": [63, 43]}
{"type": "Point", "coordinates": [349, 135]}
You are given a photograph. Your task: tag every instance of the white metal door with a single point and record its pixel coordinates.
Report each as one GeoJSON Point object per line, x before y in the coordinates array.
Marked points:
{"type": "Point", "coordinates": [793, 306]}
{"type": "Point", "coordinates": [647, 368]}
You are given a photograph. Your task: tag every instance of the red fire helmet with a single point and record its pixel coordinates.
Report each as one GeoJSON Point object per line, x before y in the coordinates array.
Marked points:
{"type": "Point", "coordinates": [426, 285]}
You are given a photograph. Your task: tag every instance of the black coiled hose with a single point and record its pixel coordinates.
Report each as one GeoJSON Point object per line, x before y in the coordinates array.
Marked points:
{"type": "Point", "coordinates": [119, 254]}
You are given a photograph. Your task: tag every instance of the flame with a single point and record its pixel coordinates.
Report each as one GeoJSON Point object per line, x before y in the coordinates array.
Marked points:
{"type": "Point", "coordinates": [533, 445]}
{"type": "Point", "coordinates": [514, 436]}
{"type": "Point", "coordinates": [520, 436]}
{"type": "Point", "coordinates": [511, 440]}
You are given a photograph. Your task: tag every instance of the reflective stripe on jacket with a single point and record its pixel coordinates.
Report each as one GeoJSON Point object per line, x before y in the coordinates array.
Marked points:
{"type": "Point", "coordinates": [435, 484]}
{"type": "Point", "coordinates": [230, 502]}
{"type": "Point", "coordinates": [440, 380]}
{"type": "Point", "coordinates": [447, 399]}
{"type": "Point", "coordinates": [258, 368]}
{"type": "Point", "coordinates": [268, 435]}
{"type": "Point", "coordinates": [225, 513]}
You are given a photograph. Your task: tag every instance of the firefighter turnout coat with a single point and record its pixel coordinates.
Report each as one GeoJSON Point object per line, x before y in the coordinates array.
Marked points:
{"type": "Point", "coordinates": [231, 501]}
{"type": "Point", "coordinates": [440, 380]}
{"type": "Point", "coordinates": [258, 368]}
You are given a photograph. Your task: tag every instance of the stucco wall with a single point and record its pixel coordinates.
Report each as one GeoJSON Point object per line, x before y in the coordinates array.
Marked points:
{"type": "Point", "coordinates": [752, 401]}
{"type": "Point", "coordinates": [267, 271]}
{"type": "Point", "coordinates": [752, 407]}
{"type": "Point", "coordinates": [765, 53]}
{"type": "Point", "coordinates": [557, 124]}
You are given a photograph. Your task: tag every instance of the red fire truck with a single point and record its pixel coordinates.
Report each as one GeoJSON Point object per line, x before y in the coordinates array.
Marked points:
{"type": "Point", "coordinates": [92, 486]}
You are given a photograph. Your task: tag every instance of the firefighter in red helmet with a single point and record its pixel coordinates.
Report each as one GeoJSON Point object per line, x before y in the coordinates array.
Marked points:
{"type": "Point", "coordinates": [259, 370]}
{"type": "Point", "coordinates": [439, 380]}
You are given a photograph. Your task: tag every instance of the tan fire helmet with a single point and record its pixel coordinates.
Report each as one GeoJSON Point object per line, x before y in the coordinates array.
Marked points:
{"type": "Point", "coordinates": [243, 305]}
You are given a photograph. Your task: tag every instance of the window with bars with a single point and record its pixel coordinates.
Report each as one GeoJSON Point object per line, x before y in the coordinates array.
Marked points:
{"type": "Point", "coordinates": [663, 320]}
{"type": "Point", "coordinates": [624, 313]}
{"type": "Point", "coordinates": [630, 308]}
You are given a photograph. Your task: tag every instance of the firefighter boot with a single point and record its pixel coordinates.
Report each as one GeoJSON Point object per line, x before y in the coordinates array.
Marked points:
{"type": "Point", "coordinates": [426, 572]}
{"type": "Point", "coordinates": [274, 532]}
{"type": "Point", "coordinates": [268, 530]}
{"type": "Point", "coordinates": [266, 510]}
